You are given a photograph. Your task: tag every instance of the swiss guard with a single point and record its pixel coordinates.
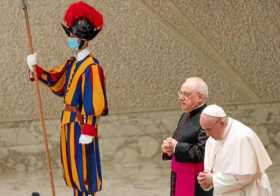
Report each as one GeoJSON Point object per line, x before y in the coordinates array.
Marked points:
{"type": "Point", "coordinates": [81, 83]}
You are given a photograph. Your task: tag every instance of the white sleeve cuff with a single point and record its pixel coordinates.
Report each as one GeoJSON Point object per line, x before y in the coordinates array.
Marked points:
{"type": "Point", "coordinates": [85, 139]}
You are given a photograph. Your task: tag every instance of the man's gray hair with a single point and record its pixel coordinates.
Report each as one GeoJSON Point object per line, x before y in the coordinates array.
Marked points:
{"type": "Point", "coordinates": [199, 86]}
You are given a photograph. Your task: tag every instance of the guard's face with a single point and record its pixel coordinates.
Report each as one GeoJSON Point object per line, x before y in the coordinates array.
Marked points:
{"type": "Point", "coordinates": [189, 99]}
{"type": "Point", "coordinates": [73, 43]}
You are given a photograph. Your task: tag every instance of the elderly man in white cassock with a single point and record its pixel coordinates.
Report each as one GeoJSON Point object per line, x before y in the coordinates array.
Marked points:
{"type": "Point", "coordinates": [235, 159]}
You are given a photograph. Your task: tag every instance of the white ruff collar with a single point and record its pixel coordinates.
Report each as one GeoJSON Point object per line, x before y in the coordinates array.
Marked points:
{"type": "Point", "coordinates": [83, 54]}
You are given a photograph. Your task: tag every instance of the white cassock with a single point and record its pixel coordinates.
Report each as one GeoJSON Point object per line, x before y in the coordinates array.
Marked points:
{"type": "Point", "coordinates": [238, 162]}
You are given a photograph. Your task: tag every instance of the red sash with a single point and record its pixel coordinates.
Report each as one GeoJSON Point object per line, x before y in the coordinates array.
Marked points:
{"type": "Point", "coordinates": [186, 174]}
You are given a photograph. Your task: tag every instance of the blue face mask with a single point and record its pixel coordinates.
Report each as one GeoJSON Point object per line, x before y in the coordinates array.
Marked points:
{"type": "Point", "coordinates": [73, 43]}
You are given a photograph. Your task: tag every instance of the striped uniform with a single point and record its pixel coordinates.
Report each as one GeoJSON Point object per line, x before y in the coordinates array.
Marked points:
{"type": "Point", "coordinates": [82, 85]}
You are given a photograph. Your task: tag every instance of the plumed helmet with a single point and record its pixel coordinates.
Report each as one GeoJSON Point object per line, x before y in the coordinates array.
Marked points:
{"type": "Point", "coordinates": [82, 20]}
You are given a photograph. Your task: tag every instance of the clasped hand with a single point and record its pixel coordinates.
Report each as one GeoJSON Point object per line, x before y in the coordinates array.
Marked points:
{"type": "Point", "coordinates": [168, 145]}
{"type": "Point", "coordinates": [205, 180]}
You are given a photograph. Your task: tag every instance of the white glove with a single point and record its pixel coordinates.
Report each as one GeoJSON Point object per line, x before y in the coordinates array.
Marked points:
{"type": "Point", "coordinates": [85, 139]}
{"type": "Point", "coordinates": [31, 61]}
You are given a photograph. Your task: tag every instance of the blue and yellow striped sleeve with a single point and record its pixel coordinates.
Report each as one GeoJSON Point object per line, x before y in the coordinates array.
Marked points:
{"type": "Point", "coordinates": [93, 94]}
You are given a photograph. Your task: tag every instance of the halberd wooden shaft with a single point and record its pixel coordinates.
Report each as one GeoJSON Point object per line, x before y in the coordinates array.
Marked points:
{"type": "Point", "coordinates": [39, 100]}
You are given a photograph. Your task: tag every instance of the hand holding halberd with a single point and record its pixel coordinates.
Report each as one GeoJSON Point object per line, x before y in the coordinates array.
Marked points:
{"type": "Point", "coordinates": [31, 61]}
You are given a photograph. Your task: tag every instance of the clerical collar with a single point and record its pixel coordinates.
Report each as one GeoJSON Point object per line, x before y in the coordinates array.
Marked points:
{"type": "Point", "coordinates": [198, 109]}
{"type": "Point", "coordinates": [83, 54]}
{"type": "Point", "coordinates": [227, 129]}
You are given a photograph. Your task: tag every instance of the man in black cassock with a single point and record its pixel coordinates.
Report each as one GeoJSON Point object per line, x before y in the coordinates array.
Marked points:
{"type": "Point", "coordinates": [186, 147]}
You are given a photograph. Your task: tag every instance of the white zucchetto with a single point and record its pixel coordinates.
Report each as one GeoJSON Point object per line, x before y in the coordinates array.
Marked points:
{"type": "Point", "coordinates": [214, 111]}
